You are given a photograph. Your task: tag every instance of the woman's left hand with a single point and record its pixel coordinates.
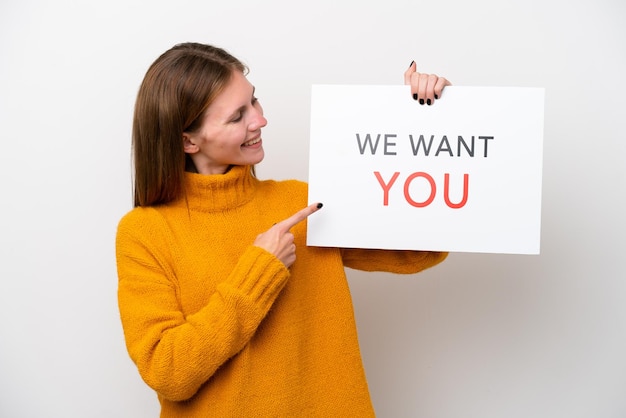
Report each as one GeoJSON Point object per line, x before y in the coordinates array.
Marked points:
{"type": "Point", "coordinates": [424, 87]}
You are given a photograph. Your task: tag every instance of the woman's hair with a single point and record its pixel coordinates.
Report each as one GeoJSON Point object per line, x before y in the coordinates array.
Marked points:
{"type": "Point", "coordinates": [172, 99]}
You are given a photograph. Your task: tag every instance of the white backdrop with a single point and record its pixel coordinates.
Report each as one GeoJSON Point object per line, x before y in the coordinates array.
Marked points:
{"type": "Point", "coordinates": [482, 335]}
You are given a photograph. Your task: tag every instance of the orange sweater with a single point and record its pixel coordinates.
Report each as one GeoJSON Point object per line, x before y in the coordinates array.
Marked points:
{"type": "Point", "coordinates": [220, 328]}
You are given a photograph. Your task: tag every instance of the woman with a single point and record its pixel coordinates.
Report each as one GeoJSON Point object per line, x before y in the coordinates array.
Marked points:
{"type": "Point", "coordinates": [218, 315]}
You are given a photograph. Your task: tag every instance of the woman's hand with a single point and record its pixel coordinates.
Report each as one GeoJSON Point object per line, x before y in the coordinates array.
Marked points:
{"type": "Point", "coordinates": [424, 87]}
{"type": "Point", "coordinates": [278, 240]}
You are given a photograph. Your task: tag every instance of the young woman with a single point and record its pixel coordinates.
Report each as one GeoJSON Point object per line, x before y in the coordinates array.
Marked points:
{"type": "Point", "coordinates": [219, 315]}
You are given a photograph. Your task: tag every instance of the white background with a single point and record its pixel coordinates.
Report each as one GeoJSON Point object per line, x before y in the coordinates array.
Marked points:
{"type": "Point", "coordinates": [479, 336]}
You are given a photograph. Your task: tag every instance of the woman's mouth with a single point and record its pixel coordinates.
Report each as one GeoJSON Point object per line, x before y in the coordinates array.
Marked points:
{"type": "Point", "coordinates": [251, 142]}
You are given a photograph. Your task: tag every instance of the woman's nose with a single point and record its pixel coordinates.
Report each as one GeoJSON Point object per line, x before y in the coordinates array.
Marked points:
{"type": "Point", "coordinates": [258, 121]}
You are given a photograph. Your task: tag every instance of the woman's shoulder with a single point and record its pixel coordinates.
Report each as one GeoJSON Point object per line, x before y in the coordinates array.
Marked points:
{"type": "Point", "coordinates": [140, 218]}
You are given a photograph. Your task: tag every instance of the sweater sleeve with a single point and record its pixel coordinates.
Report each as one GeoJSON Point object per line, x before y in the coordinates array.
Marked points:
{"type": "Point", "coordinates": [175, 354]}
{"type": "Point", "coordinates": [393, 261]}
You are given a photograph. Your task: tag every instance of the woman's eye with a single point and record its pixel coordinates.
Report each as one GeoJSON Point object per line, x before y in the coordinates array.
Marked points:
{"type": "Point", "coordinates": [239, 116]}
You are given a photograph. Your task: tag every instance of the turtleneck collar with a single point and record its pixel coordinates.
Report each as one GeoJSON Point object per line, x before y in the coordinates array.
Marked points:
{"type": "Point", "coordinates": [219, 192]}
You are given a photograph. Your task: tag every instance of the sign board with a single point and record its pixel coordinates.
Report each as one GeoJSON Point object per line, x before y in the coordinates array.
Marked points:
{"type": "Point", "coordinates": [462, 175]}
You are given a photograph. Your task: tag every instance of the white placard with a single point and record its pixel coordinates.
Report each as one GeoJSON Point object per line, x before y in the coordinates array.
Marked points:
{"type": "Point", "coordinates": [462, 175]}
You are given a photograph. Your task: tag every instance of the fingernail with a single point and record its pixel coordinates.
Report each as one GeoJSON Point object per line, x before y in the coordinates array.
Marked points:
{"type": "Point", "coordinates": [411, 63]}
{"type": "Point", "coordinates": [428, 102]}
{"type": "Point", "coordinates": [319, 205]}
{"type": "Point", "coordinates": [421, 101]}
{"type": "Point", "coordinates": [436, 96]}
{"type": "Point", "coordinates": [415, 96]}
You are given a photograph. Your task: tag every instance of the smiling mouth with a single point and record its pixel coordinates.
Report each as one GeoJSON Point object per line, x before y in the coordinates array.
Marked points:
{"type": "Point", "coordinates": [251, 142]}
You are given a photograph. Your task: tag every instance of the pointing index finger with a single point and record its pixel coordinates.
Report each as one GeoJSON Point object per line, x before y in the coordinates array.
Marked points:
{"type": "Point", "coordinates": [298, 217]}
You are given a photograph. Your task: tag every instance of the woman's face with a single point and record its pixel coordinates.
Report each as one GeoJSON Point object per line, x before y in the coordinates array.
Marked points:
{"type": "Point", "coordinates": [230, 133]}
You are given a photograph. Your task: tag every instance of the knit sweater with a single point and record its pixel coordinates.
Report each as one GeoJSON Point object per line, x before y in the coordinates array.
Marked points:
{"type": "Point", "coordinates": [221, 328]}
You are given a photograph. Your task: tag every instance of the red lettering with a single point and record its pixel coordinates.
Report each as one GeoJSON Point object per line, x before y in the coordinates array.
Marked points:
{"type": "Point", "coordinates": [433, 190]}
{"type": "Point", "coordinates": [446, 191]}
{"type": "Point", "coordinates": [386, 187]}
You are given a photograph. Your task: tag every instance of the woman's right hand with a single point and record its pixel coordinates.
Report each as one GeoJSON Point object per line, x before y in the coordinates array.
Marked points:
{"type": "Point", "coordinates": [278, 240]}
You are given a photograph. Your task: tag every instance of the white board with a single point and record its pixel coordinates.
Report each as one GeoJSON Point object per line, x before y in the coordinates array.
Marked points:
{"type": "Point", "coordinates": [462, 175]}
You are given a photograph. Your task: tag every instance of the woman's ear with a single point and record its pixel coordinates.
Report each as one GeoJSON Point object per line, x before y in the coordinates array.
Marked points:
{"type": "Point", "coordinates": [189, 145]}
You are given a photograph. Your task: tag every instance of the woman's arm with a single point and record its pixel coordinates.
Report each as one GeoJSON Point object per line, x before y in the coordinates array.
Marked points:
{"type": "Point", "coordinates": [175, 354]}
{"type": "Point", "coordinates": [426, 88]}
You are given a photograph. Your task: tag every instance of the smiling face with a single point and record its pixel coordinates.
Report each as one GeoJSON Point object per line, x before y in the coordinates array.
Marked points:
{"type": "Point", "coordinates": [230, 133]}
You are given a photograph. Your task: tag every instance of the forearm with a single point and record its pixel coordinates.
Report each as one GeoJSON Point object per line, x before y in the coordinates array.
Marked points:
{"type": "Point", "coordinates": [175, 354]}
{"type": "Point", "coordinates": [394, 261]}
